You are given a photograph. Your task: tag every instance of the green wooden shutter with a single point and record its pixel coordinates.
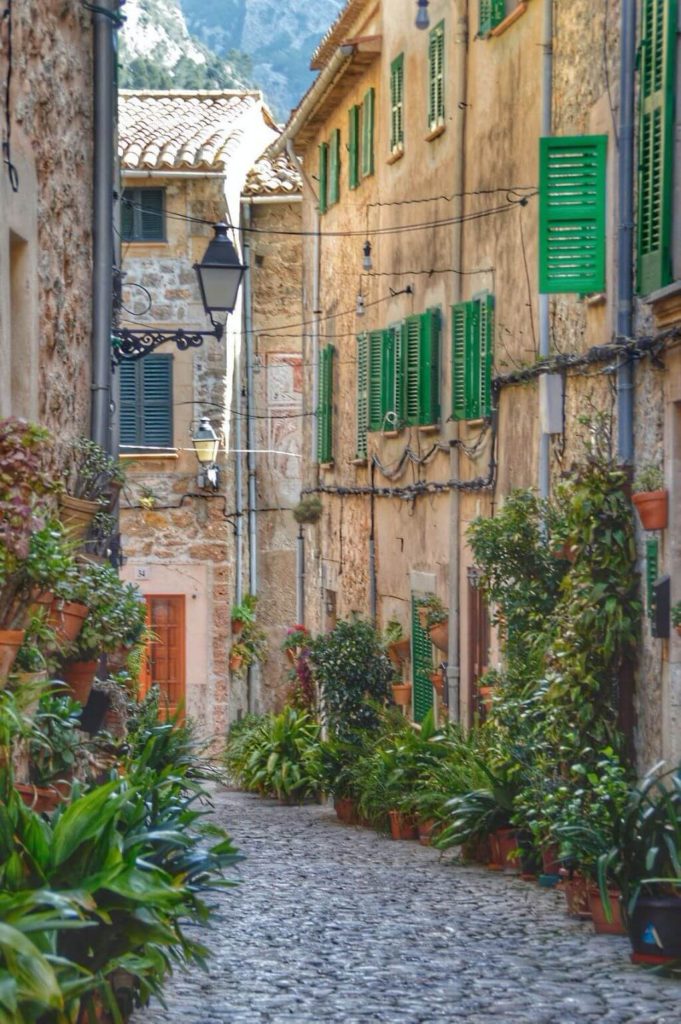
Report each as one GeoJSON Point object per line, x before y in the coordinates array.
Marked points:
{"type": "Point", "coordinates": [429, 368]}
{"type": "Point", "coordinates": [353, 147]}
{"type": "Point", "coordinates": [334, 167]}
{"type": "Point", "coordinates": [376, 380]}
{"type": "Point", "coordinates": [486, 354]}
{"type": "Point", "coordinates": [461, 326]}
{"type": "Point", "coordinates": [422, 665]}
{"type": "Point", "coordinates": [127, 215]}
{"type": "Point", "coordinates": [368, 111]}
{"type": "Point", "coordinates": [362, 394]}
{"type": "Point", "coordinates": [129, 404]}
{"type": "Point", "coordinates": [157, 401]}
{"type": "Point", "coordinates": [656, 144]}
{"type": "Point", "coordinates": [491, 13]}
{"type": "Point", "coordinates": [396, 393]}
{"type": "Point", "coordinates": [436, 85]}
{"type": "Point", "coordinates": [323, 177]}
{"type": "Point", "coordinates": [412, 363]}
{"type": "Point", "coordinates": [652, 572]}
{"type": "Point", "coordinates": [151, 214]}
{"type": "Point", "coordinates": [572, 213]}
{"type": "Point", "coordinates": [325, 406]}
{"type": "Point", "coordinates": [397, 103]}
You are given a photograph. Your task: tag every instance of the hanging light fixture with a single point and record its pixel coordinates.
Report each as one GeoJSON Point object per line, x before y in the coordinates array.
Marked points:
{"type": "Point", "coordinates": [219, 273]}
{"type": "Point", "coordinates": [360, 305]}
{"type": "Point", "coordinates": [367, 262]}
{"type": "Point", "coordinates": [422, 19]}
{"type": "Point", "coordinates": [206, 446]}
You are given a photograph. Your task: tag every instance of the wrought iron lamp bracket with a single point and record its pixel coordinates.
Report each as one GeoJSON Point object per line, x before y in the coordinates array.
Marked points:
{"type": "Point", "coordinates": [134, 343]}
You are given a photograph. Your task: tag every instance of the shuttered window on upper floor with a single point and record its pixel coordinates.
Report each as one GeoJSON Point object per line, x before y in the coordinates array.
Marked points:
{"type": "Point", "coordinates": [656, 144]}
{"type": "Point", "coordinates": [421, 356]}
{"type": "Point", "coordinates": [143, 215]}
{"type": "Point", "coordinates": [397, 104]}
{"type": "Point", "coordinates": [385, 375]}
{"type": "Point", "coordinates": [146, 402]}
{"type": "Point", "coordinates": [353, 146]}
{"type": "Point", "coordinates": [334, 167]}
{"type": "Point", "coordinates": [368, 117]}
{"type": "Point", "coordinates": [491, 13]}
{"type": "Point", "coordinates": [362, 404]}
{"type": "Point", "coordinates": [471, 358]}
{"type": "Point", "coordinates": [323, 176]}
{"type": "Point", "coordinates": [325, 405]}
{"type": "Point", "coordinates": [572, 210]}
{"type": "Point", "coordinates": [436, 77]}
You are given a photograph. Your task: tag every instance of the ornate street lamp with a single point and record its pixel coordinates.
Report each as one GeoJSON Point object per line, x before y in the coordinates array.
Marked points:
{"type": "Point", "coordinates": [206, 446]}
{"type": "Point", "coordinates": [422, 19]}
{"type": "Point", "coordinates": [219, 274]}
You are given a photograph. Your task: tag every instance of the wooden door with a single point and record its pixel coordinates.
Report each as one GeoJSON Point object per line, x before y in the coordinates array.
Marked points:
{"type": "Point", "coordinates": [478, 645]}
{"type": "Point", "coordinates": [165, 661]}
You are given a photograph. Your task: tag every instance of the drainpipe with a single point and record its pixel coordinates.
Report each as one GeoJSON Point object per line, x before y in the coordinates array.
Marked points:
{"type": "Point", "coordinates": [460, 65]}
{"type": "Point", "coordinates": [300, 576]}
{"type": "Point", "coordinates": [546, 128]}
{"type": "Point", "coordinates": [250, 421]}
{"type": "Point", "coordinates": [625, 232]}
{"type": "Point", "coordinates": [104, 117]}
{"type": "Point", "coordinates": [238, 464]}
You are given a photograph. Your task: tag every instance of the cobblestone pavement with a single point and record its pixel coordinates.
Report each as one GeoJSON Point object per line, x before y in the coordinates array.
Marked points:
{"type": "Point", "coordinates": [336, 925]}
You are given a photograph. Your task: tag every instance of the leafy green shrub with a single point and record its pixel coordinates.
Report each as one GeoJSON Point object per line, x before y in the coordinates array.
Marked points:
{"type": "Point", "coordinates": [275, 754]}
{"type": "Point", "coordinates": [353, 675]}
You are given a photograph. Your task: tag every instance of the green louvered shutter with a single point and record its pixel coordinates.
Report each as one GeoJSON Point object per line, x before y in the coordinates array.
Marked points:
{"type": "Point", "coordinates": [486, 354]}
{"type": "Point", "coordinates": [429, 368]}
{"type": "Point", "coordinates": [656, 144]}
{"type": "Point", "coordinates": [368, 114]}
{"type": "Point", "coordinates": [393, 405]}
{"type": "Point", "coordinates": [323, 177]}
{"type": "Point", "coordinates": [491, 13]}
{"type": "Point", "coordinates": [436, 76]}
{"type": "Point", "coordinates": [325, 407]}
{"type": "Point", "coordinates": [422, 665]}
{"type": "Point", "coordinates": [397, 103]}
{"type": "Point", "coordinates": [353, 147]}
{"type": "Point", "coordinates": [376, 380]}
{"type": "Point", "coordinates": [572, 213]}
{"type": "Point", "coordinates": [157, 401]}
{"type": "Point", "coordinates": [362, 394]}
{"type": "Point", "coordinates": [461, 319]}
{"type": "Point", "coordinates": [129, 405]}
{"type": "Point", "coordinates": [334, 167]}
{"type": "Point", "coordinates": [412, 363]}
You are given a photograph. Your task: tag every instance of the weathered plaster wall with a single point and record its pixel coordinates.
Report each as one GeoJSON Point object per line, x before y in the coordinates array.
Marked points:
{"type": "Point", "coordinates": [46, 226]}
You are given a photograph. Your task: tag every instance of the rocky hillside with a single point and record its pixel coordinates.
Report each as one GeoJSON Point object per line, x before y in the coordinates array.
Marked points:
{"type": "Point", "coordinates": [225, 43]}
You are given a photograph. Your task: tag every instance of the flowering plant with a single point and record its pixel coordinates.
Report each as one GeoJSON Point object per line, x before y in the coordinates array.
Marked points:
{"type": "Point", "coordinates": [296, 636]}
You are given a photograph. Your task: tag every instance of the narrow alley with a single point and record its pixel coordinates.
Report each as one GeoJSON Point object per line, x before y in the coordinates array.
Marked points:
{"type": "Point", "coordinates": [337, 924]}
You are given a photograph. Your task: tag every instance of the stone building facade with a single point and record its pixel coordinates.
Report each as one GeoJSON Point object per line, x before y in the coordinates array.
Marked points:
{"type": "Point", "coordinates": [46, 215]}
{"type": "Point", "coordinates": [450, 205]}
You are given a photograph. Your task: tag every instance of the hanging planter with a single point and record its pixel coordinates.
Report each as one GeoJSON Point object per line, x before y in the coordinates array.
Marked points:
{"type": "Point", "coordinates": [439, 635]}
{"type": "Point", "coordinates": [438, 682]}
{"type": "Point", "coordinates": [402, 693]}
{"type": "Point", "coordinates": [235, 662]}
{"type": "Point", "coordinates": [76, 515]}
{"type": "Point", "coordinates": [10, 642]}
{"type": "Point", "coordinates": [400, 649]}
{"type": "Point", "coordinates": [79, 677]}
{"type": "Point", "coordinates": [652, 508]}
{"type": "Point", "coordinates": [67, 618]}
{"type": "Point", "coordinates": [308, 509]}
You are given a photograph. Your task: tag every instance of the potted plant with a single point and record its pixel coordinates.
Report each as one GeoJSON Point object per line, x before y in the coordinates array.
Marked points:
{"type": "Point", "coordinates": [431, 611]}
{"type": "Point", "coordinates": [89, 475]}
{"type": "Point", "coordinates": [296, 640]}
{"type": "Point", "coordinates": [676, 617]}
{"type": "Point", "coordinates": [249, 648]}
{"type": "Point", "coordinates": [650, 497]}
{"type": "Point", "coordinates": [243, 613]}
{"type": "Point", "coordinates": [397, 645]}
{"type": "Point", "coordinates": [308, 509]}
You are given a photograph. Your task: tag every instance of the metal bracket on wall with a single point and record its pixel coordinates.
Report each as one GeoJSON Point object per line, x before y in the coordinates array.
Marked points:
{"type": "Point", "coordinates": [130, 344]}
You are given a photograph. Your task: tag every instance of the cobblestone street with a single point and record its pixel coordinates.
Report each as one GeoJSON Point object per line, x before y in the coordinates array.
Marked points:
{"type": "Point", "coordinates": [337, 924]}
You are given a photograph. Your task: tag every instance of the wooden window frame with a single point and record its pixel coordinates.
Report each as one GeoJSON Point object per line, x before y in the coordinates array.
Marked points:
{"type": "Point", "coordinates": [397, 105]}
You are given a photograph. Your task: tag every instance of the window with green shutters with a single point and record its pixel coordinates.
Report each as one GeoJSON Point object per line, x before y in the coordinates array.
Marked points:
{"type": "Point", "coordinates": [572, 212]}
{"type": "Point", "coordinates": [353, 147]}
{"type": "Point", "coordinates": [368, 112]}
{"type": "Point", "coordinates": [146, 403]}
{"type": "Point", "coordinates": [143, 215]}
{"type": "Point", "coordinates": [422, 665]}
{"type": "Point", "coordinates": [325, 406]}
{"type": "Point", "coordinates": [436, 77]}
{"type": "Point", "coordinates": [471, 358]}
{"type": "Point", "coordinates": [386, 379]}
{"type": "Point", "coordinates": [362, 395]}
{"type": "Point", "coordinates": [376, 379]}
{"type": "Point", "coordinates": [492, 12]}
{"type": "Point", "coordinates": [397, 104]}
{"type": "Point", "coordinates": [421, 360]}
{"type": "Point", "coordinates": [334, 168]}
{"type": "Point", "coordinates": [656, 144]}
{"type": "Point", "coordinates": [323, 176]}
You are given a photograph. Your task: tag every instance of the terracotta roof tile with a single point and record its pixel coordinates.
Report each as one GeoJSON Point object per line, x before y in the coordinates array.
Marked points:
{"type": "Point", "coordinates": [180, 130]}
{"type": "Point", "coordinates": [277, 177]}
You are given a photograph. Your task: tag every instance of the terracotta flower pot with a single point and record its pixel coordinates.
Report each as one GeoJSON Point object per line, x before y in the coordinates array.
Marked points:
{"type": "Point", "coordinates": [550, 861]}
{"type": "Point", "coordinates": [235, 662]}
{"type": "Point", "coordinates": [42, 799]}
{"type": "Point", "coordinates": [652, 507]}
{"type": "Point", "coordinates": [237, 627]}
{"type": "Point", "coordinates": [496, 861]}
{"type": "Point", "coordinates": [401, 649]}
{"type": "Point", "coordinates": [507, 843]}
{"type": "Point", "coordinates": [486, 696]}
{"type": "Point", "coordinates": [79, 676]}
{"type": "Point", "coordinates": [10, 642]}
{"type": "Point", "coordinates": [346, 810]}
{"type": "Point", "coordinates": [67, 618]}
{"type": "Point", "coordinates": [77, 514]}
{"type": "Point", "coordinates": [438, 682]}
{"type": "Point", "coordinates": [402, 693]}
{"type": "Point", "coordinates": [426, 829]}
{"type": "Point", "coordinates": [402, 826]}
{"type": "Point", "coordinates": [577, 896]}
{"type": "Point", "coordinates": [117, 660]}
{"type": "Point", "coordinates": [293, 654]}
{"type": "Point", "coordinates": [439, 635]}
{"type": "Point", "coordinates": [615, 926]}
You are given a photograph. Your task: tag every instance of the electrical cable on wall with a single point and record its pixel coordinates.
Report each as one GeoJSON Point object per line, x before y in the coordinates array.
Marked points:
{"type": "Point", "coordinates": [12, 172]}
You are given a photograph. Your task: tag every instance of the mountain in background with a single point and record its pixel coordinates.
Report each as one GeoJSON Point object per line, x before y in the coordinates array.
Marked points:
{"type": "Point", "coordinates": [157, 51]}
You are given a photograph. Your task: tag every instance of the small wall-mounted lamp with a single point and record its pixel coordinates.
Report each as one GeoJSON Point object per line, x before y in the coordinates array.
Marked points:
{"type": "Point", "coordinates": [206, 446]}
{"type": "Point", "coordinates": [367, 262]}
{"type": "Point", "coordinates": [422, 19]}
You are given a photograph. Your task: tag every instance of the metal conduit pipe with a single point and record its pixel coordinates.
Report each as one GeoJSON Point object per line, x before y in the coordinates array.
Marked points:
{"type": "Point", "coordinates": [625, 231]}
{"type": "Point", "coordinates": [546, 128]}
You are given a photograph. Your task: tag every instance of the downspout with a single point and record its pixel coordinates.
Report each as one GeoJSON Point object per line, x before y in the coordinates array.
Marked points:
{"type": "Point", "coordinates": [546, 128]}
{"type": "Point", "coordinates": [104, 24]}
{"type": "Point", "coordinates": [252, 683]}
{"type": "Point", "coordinates": [625, 232]}
{"type": "Point", "coordinates": [460, 64]}
{"type": "Point", "coordinates": [300, 576]}
{"type": "Point", "coordinates": [238, 446]}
